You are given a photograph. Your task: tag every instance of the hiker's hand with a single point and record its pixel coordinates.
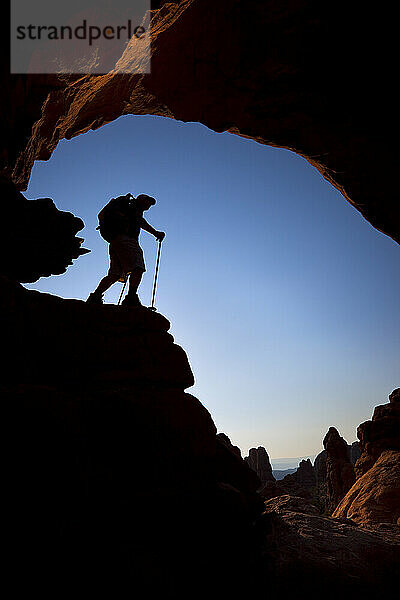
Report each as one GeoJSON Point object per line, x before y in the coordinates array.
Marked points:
{"type": "Point", "coordinates": [160, 235]}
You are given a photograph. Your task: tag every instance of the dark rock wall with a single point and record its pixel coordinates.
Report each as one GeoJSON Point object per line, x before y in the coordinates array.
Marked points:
{"type": "Point", "coordinates": [381, 433]}
{"type": "Point", "coordinates": [115, 476]}
{"type": "Point", "coordinates": [115, 480]}
{"type": "Point", "coordinates": [340, 474]}
{"type": "Point", "coordinates": [36, 239]}
{"type": "Point", "coordinates": [258, 461]}
{"type": "Point", "coordinates": [322, 496]}
{"type": "Point", "coordinates": [354, 452]}
{"type": "Point", "coordinates": [279, 74]}
{"type": "Point", "coordinates": [375, 495]}
{"type": "Point", "coordinates": [320, 468]}
{"type": "Point", "coordinates": [301, 484]}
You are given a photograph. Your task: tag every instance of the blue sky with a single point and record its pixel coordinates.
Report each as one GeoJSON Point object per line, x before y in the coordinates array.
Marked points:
{"type": "Point", "coordinates": [284, 298]}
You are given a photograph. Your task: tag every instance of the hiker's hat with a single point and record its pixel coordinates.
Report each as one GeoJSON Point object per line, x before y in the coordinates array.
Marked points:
{"type": "Point", "coordinates": [146, 198]}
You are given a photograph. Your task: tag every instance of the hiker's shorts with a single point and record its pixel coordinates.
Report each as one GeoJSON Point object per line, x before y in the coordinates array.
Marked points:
{"type": "Point", "coordinates": [125, 256]}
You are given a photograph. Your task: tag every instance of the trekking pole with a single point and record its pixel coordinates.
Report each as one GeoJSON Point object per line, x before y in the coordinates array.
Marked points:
{"type": "Point", "coordinates": [122, 293]}
{"type": "Point", "coordinates": [152, 307]}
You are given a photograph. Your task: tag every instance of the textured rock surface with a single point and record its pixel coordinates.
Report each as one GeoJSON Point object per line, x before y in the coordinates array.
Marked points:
{"type": "Point", "coordinates": [292, 503]}
{"type": "Point", "coordinates": [375, 496]}
{"type": "Point", "coordinates": [320, 479]}
{"type": "Point", "coordinates": [311, 556]}
{"type": "Point", "coordinates": [115, 479]}
{"type": "Point", "coordinates": [321, 493]}
{"type": "Point", "coordinates": [301, 483]}
{"type": "Point", "coordinates": [115, 476]}
{"type": "Point", "coordinates": [68, 342]}
{"type": "Point", "coordinates": [36, 239]}
{"type": "Point", "coordinates": [280, 81]}
{"type": "Point", "coordinates": [231, 468]}
{"type": "Point", "coordinates": [304, 475]}
{"type": "Point", "coordinates": [379, 434]}
{"type": "Point", "coordinates": [340, 474]}
{"type": "Point", "coordinates": [258, 460]}
{"type": "Point", "coordinates": [354, 452]}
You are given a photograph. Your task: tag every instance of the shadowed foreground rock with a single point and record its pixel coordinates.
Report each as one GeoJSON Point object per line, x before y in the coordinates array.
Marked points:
{"type": "Point", "coordinates": [117, 483]}
{"type": "Point", "coordinates": [306, 554]}
{"type": "Point", "coordinates": [116, 480]}
{"type": "Point", "coordinates": [301, 483]}
{"type": "Point", "coordinates": [36, 239]}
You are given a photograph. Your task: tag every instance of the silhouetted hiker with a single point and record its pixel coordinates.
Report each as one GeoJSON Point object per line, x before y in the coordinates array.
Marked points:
{"type": "Point", "coordinates": [120, 223]}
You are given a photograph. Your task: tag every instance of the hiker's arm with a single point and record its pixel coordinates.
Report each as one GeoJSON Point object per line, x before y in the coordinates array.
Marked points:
{"type": "Point", "coordinates": [147, 227]}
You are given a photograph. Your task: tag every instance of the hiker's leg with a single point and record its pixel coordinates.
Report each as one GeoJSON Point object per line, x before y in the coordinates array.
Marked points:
{"type": "Point", "coordinates": [134, 280]}
{"type": "Point", "coordinates": [96, 297]}
{"type": "Point", "coordinates": [132, 299]}
{"type": "Point", "coordinates": [105, 284]}
{"type": "Point", "coordinates": [114, 273]}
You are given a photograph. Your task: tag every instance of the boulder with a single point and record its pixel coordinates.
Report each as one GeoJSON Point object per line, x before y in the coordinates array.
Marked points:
{"type": "Point", "coordinates": [301, 483]}
{"type": "Point", "coordinates": [258, 460]}
{"type": "Point", "coordinates": [320, 470]}
{"type": "Point", "coordinates": [307, 555]}
{"type": "Point", "coordinates": [292, 503]}
{"type": "Point", "coordinates": [115, 478]}
{"type": "Point", "coordinates": [339, 469]}
{"type": "Point", "coordinates": [375, 496]}
{"type": "Point", "coordinates": [232, 469]}
{"type": "Point", "coordinates": [379, 434]}
{"type": "Point", "coordinates": [69, 342]}
{"type": "Point", "coordinates": [36, 239]}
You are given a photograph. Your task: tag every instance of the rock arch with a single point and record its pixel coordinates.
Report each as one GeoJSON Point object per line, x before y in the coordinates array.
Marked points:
{"type": "Point", "coordinates": [294, 75]}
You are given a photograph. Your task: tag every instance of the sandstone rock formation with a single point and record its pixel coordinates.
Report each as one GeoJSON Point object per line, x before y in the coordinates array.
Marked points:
{"type": "Point", "coordinates": [279, 82]}
{"type": "Point", "coordinates": [321, 493]}
{"type": "Point", "coordinates": [68, 342]}
{"type": "Point", "coordinates": [258, 460]}
{"type": "Point", "coordinates": [233, 469]}
{"type": "Point", "coordinates": [36, 239]}
{"type": "Point", "coordinates": [340, 474]}
{"type": "Point", "coordinates": [300, 484]}
{"type": "Point", "coordinates": [292, 503]}
{"type": "Point", "coordinates": [310, 556]}
{"type": "Point", "coordinates": [379, 434]}
{"type": "Point", "coordinates": [354, 452]}
{"type": "Point", "coordinates": [320, 480]}
{"type": "Point", "coordinates": [115, 477]}
{"type": "Point", "coordinates": [375, 496]}
{"type": "Point", "coordinates": [304, 474]}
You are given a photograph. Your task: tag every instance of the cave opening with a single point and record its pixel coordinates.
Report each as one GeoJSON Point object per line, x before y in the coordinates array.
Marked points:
{"type": "Point", "coordinates": [279, 291]}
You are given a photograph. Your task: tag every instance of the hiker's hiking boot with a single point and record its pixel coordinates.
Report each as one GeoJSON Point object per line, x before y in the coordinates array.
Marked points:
{"type": "Point", "coordinates": [95, 298]}
{"type": "Point", "coordinates": [131, 300]}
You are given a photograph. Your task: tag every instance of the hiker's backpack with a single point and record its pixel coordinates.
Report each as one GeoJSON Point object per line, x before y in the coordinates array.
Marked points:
{"type": "Point", "coordinates": [114, 218]}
